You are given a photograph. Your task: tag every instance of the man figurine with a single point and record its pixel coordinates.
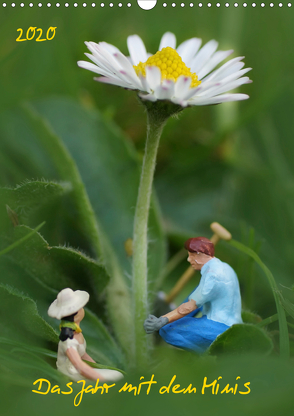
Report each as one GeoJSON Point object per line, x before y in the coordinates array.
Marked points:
{"type": "Point", "coordinates": [217, 296]}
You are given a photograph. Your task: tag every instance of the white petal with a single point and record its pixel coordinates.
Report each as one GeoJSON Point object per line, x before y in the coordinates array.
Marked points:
{"type": "Point", "coordinates": [226, 69]}
{"type": "Point", "coordinates": [153, 76]}
{"type": "Point", "coordinates": [165, 91]}
{"type": "Point", "coordinates": [188, 49]}
{"type": "Point", "coordinates": [224, 87]}
{"type": "Point", "coordinates": [229, 71]}
{"type": "Point", "coordinates": [137, 49]}
{"type": "Point", "coordinates": [148, 97]}
{"type": "Point", "coordinates": [103, 55]}
{"type": "Point", "coordinates": [145, 85]}
{"type": "Point", "coordinates": [96, 55]}
{"type": "Point", "coordinates": [235, 75]}
{"type": "Point", "coordinates": [118, 66]}
{"type": "Point", "coordinates": [127, 69]}
{"type": "Point", "coordinates": [106, 63]}
{"type": "Point", "coordinates": [107, 59]}
{"type": "Point", "coordinates": [168, 39]}
{"type": "Point", "coordinates": [182, 87]}
{"type": "Point", "coordinates": [190, 93]}
{"type": "Point", "coordinates": [100, 62]}
{"type": "Point", "coordinates": [201, 89]}
{"type": "Point", "coordinates": [126, 77]}
{"type": "Point", "coordinates": [194, 91]}
{"type": "Point", "coordinates": [110, 48]}
{"type": "Point", "coordinates": [112, 81]}
{"type": "Point", "coordinates": [92, 46]}
{"type": "Point", "coordinates": [218, 99]}
{"type": "Point", "coordinates": [218, 57]}
{"type": "Point", "coordinates": [92, 67]}
{"type": "Point", "coordinates": [177, 101]}
{"type": "Point", "coordinates": [203, 56]}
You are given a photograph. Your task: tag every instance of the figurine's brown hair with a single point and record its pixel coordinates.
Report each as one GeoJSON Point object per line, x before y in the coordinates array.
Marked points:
{"type": "Point", "coordinates": [200, 245]}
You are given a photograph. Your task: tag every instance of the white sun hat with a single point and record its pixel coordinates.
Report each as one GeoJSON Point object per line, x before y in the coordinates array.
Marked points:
{"type": "Point", "coordinates": [68, 302]}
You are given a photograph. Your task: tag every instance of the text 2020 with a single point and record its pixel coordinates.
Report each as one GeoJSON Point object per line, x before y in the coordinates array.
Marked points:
{"type": "Point", "coordinates": [32, 34]}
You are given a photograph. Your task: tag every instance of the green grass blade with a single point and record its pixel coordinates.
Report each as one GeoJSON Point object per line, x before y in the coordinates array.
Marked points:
{"type": "Point", "coordinates": [284, 336]}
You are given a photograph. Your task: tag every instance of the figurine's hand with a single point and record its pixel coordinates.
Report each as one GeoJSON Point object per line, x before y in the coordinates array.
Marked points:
{"type": "Point", "coordinates": [152, 323]}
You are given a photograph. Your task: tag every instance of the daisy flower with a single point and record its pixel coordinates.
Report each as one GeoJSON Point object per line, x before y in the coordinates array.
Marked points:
{"type": "Point", "coordinates": [184, 75]}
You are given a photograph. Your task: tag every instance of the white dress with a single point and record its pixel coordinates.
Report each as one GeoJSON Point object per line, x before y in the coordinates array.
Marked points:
{"type": "Point", "coordinates": [65, 366]}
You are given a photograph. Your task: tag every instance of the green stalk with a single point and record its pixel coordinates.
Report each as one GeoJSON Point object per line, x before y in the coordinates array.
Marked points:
{"type": "Point", "coordinates": [268, 320]}
{"type": "Point", "coordinates": [284, 335]}
{"type": "Point", "coordinates": [155, 123]}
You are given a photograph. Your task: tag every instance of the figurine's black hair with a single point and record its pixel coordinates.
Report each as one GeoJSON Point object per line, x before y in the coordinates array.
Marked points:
{"type": "Point", "coordinates": [70, 318]}
{"type": "Point", "coordinates": [66, 333]}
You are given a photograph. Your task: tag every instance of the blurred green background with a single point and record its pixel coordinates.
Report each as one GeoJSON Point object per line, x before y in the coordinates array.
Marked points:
{"type": "Point", "coordinates": [231, 163]}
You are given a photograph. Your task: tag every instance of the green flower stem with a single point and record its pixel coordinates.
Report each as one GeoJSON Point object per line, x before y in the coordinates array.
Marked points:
{"type": "Point", "coordinates": [284, 335]}
{"type": "Point", "coordinates": [155, 124]}
{"type": "Point", "coordinates": [68, 171]}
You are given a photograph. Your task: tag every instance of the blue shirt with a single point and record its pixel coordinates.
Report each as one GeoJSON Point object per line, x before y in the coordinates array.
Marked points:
{"type": "Point", "coordinates": [219, 293]}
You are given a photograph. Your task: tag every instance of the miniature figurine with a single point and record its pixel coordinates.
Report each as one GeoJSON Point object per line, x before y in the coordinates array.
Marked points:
{"type": "Point", "coordinates": [72, 346]}
{"type": "Point", "coordinates": [217, 296]}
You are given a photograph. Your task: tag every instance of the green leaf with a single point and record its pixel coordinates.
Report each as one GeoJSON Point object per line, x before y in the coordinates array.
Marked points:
{"type": "Point", "coordinates": [20, 320]}
{"type": "Point", "coordinates": [242, 339]}
{"type": "Point", "coordinates": [20, 241]}
{"type": "Point", "coordinates": [38, 350]}
{"type": "Point", "coordinates": [110, 168]}
{"type": "Point", "coordinates": [67, 170]}
{"type": "Point", "coordinates": [249, 317]}
{"type": "Point", "coordinates": [30, 195]}
{"type": "Point", "coordinates": [21, 367]}
{"type": "Point", "coordinates": [81, 268]}
{"type": "Point", "coordinates": [55, 267]}
{"type": "Point", "coordinates": [95, 365]}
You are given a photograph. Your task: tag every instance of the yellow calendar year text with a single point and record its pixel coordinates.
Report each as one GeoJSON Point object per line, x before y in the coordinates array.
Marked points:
{"type": "Point", "coordinates": [34, 33]}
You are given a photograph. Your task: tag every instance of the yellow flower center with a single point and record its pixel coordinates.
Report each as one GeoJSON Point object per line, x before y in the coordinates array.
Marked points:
{"type": "Point", "coordinates": [170, 64]}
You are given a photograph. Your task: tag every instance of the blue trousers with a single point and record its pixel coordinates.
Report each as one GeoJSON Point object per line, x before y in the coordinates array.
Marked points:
{"type": "Point", "coordinates": [192, 334]}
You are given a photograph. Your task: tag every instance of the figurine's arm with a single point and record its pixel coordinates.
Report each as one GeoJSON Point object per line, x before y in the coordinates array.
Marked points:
{"type": "Point", "coordinates": [84, 369]}
{"type": "Point", "coordinates": [182, 310]}
{"type": "Point", "coordinates": [152, 323]}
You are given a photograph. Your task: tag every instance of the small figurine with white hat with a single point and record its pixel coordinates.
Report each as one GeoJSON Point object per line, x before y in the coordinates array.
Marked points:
{"type": "Point", "coordinates": [72, 345]}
